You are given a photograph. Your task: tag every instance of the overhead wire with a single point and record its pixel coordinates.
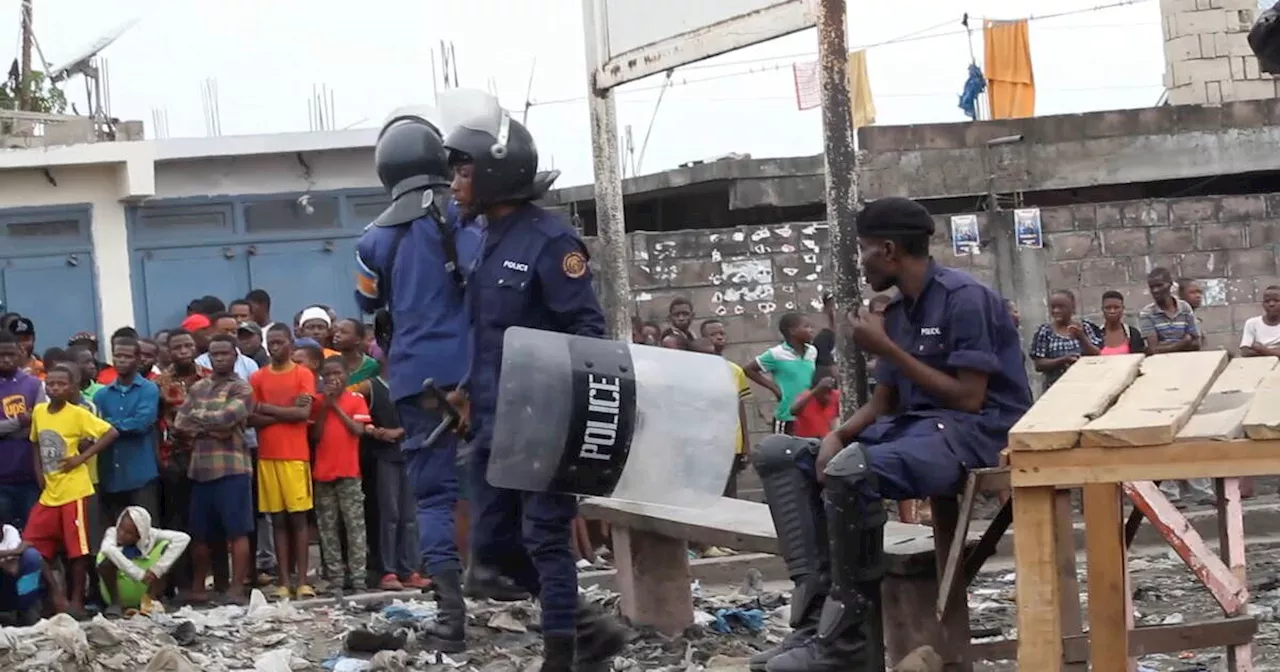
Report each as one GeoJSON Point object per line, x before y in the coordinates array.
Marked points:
{"type": "Point", "coordinates": [914, 36]}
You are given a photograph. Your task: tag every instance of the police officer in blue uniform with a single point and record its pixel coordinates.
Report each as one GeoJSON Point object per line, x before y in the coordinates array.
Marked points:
{"type": "Point", "coordinates": [411, 261]}
{"type": "Point", "coordinates": [950, 385]}
{"type": "Point", "coordinates": [532, 272]}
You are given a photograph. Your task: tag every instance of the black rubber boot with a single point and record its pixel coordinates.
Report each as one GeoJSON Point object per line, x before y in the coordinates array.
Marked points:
{"type": "Point", "coordinates": [559, 652]}
{"type": "Point", "coordinates": [600, 638]}
{"type": "Point", "coordinates": [448, 632]}
{"type": "Point", "coordinates": [487, 583]}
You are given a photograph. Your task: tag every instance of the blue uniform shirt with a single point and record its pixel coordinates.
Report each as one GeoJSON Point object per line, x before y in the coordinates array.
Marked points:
{"type": "Point", "coordinates": [958, 323]}
{"type": "Point", "coordinates": [130, 461]}
{"type": "Point", "coordinates": [431, 334]}
{"type": "Point", "coordinates": [533, 273]}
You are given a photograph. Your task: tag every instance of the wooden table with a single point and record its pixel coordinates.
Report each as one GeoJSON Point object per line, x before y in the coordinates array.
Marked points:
{"type": "Point", "coordinates": [1115, 429]}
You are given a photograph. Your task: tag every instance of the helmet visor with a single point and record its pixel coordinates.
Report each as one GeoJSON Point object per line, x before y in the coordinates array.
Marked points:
{"type": "Point", "coordinates": [474, 110]}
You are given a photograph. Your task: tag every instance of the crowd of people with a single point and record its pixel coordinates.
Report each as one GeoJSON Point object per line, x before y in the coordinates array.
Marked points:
{"type": "Point", "coordinates": [131, 473]}
{"type": "Point", "coordinates": [1168, 323]}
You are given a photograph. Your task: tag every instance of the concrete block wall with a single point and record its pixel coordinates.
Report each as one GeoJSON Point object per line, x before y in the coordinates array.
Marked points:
{"type": "Point", "coordinates": [1207, 55]}
{"type": "Point", "coordinates": [1228, 243]}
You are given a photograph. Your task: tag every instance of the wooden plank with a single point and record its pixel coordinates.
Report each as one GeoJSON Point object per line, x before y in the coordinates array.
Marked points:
{"type": "Point", "coordinates": [1158, 404]}
{"type": "Point", "coordinates": [1082, 394]}
{"type": "Point", "coordinates": [1231, 593]}
{"type": "Point", "coordinates": [1231, 547]}
{"type": "Point", "coordinates": [1143, 641]}
{"type": "Point", "coordinates": [1262, 421]}
{"type": "Point", "coordinates": [1108, 612]}
{"type": "Point", "coordinates": [1038, 593]}
{"type": "Point", "coordinates": [1220, 415]}
{"type": "Point", "coordinates": [747, 526]}
{"type": "Point", "coordinates": [1192, 459]}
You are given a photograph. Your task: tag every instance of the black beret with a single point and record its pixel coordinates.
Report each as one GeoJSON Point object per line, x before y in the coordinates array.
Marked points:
{"type": "Point", "coordinates": [894, 216]}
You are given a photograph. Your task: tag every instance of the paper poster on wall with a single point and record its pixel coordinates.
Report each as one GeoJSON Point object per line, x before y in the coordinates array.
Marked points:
{"type": "Point", "coordinates": [1027, 228]}
{"type": "Point", "coordinates": [964, 235]}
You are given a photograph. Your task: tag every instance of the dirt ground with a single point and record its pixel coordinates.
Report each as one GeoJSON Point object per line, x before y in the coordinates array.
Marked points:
{"type": "Point", "coordinates": [733, 622]}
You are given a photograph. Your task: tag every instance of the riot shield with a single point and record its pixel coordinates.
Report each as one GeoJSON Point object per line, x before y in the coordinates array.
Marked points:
{"type": "Point", "coordinates": [595, 417]}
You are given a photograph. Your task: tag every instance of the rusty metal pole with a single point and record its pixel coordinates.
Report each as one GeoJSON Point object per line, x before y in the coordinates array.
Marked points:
{"type": "Point", "coordinates": [841, 160]}
{"type": "Point", "coordinates": [613, 272]}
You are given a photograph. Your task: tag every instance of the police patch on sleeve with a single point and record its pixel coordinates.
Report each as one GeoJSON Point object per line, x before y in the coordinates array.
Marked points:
{"type": "Point", "coordinates": [574, 265]}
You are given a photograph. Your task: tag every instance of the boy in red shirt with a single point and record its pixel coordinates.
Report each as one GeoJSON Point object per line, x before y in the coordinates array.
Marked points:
{"type": "Point", "coordinates": [340, 418]}
{"type": "Point", "coordinates": [283, 394]}
{"type": "Point", "coordinates": [817, 409]}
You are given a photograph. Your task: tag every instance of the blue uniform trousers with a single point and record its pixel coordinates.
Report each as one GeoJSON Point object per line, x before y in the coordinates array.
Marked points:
{"type": "Point", "coordinates": [910, 458]}
{"type": "Point", "coordinates": [526, 536]}
{"type": "Point", "coordinates": [433, 474]}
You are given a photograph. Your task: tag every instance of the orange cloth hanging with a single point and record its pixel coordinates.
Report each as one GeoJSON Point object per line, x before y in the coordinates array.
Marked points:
{"type": "Point", "coordinates": [1011, 84]}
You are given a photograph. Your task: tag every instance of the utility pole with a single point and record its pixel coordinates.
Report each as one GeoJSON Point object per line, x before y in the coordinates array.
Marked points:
{"type": "Point", "coordinates": [841, 190]}
{"type": "Point", "coordinates": [28, 40]}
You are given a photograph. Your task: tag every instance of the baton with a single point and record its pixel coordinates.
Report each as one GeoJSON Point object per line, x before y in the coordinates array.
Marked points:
{"type": "Point", "coordinates": [435, 398]}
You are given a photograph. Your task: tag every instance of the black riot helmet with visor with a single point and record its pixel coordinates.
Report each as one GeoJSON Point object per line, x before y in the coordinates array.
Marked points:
{"type": "Point", "coordinates": [499, 149]}
{"type": "Point", "coordinates": [413, 166]}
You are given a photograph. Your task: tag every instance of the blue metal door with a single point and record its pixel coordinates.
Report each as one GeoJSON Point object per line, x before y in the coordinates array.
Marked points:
{"type": "Point", "coordinates": [304, 273]}
{"type": "Point", "coordinates": [55, 291]}
{"type": "Point", "coordinates": [173, 277]}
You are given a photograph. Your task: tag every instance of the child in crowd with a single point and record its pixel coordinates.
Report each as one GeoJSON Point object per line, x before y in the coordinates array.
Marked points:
{"type": "Point", "coordinates": [339, 418]}
{"type": "Point", "coordinates": [1261, 337]}
{"type": "Point", "coordinates": [397, 525]}
{"type": "Point", "coordinates": [713, 335]}
{"type": "Point", "coordinates": [20, 571]}
{"type": "Point", "coordinates": [789, 365]}
{"type": "Point", "coordinates": [817, 409]}
{"type": "Point", "coordinates": [309, 355]}
{"type": "Point", "coordinates": [283, 394]}
{"type": "Point", "coordinates": [59, 522]}
{"type": "Point", "coordinates": [135, 560]}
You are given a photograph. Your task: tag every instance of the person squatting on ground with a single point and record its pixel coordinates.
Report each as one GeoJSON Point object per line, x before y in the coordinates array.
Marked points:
{"type": "Point", "coordinates": [532, 272]}
{"type": "Point", "coordinates": [134, 562]}
{"type": "Point", "coordinates": [412, 259]}
{"type": "Point", "coordinates": [950, 385]}
{"type": "Point", "coordinates": [21, 568]}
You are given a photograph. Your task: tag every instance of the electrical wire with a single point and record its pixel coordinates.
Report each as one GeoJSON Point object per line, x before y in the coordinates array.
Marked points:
{"type": "Point", "coordinates": [915, 36]}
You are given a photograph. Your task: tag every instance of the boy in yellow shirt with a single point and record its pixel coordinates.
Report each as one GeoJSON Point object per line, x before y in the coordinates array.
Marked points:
{"type": "Point", "coordinates": [58, 522]}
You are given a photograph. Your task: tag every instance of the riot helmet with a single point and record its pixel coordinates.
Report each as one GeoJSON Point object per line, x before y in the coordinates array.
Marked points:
{"type": "Point", "coordinates": [412, 165]}
{"type": "Point", "coordinates": [410, 155]}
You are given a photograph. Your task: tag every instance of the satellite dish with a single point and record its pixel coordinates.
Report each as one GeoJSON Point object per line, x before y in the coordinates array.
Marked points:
{"type": "Point", "coordinates": [78, 64]}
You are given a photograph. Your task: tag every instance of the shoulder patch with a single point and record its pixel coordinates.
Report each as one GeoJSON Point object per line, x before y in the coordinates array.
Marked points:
{"type": "Point", "coordinates": [574, 265]}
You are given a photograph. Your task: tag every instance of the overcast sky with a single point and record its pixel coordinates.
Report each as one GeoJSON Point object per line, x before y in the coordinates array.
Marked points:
{"type": "Point", "coordinates": [266, 55]}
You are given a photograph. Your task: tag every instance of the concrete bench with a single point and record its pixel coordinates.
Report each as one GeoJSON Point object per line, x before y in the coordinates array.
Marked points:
{"type": "Point", "coordinates": [650, 545]}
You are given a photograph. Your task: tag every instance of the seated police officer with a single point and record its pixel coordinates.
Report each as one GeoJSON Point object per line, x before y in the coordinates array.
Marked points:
{"type": "Point", "coordinates": [950, 384]}
{"type": "Point", "coordinates": [532, 272]}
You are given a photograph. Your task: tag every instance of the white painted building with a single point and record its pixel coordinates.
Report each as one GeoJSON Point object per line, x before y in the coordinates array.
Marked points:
{"type": "Point", "coordinates": [103, 235]}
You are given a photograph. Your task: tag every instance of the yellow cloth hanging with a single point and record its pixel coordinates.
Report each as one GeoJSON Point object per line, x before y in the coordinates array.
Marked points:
{"type": "Point", "coordinates": [861, 104]}
{"type": "Point", "coordinates": [1011, 84]}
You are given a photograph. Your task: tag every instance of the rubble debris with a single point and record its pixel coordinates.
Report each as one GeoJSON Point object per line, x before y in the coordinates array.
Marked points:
{"type": "Point", "coordinates": [731, 624]}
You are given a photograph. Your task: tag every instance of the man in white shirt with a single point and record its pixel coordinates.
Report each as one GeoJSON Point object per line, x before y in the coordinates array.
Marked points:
{"type": "Point", "coordinates": [1261, 337]}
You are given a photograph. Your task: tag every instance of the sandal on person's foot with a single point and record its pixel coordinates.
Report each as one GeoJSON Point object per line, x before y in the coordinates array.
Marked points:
{"type": "Point", "coordinates": [114, 611]}
{"type": "Point", "coordinates": [304, 592]}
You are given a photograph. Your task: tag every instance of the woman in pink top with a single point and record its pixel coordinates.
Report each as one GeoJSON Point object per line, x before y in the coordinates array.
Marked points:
{"type": "Point", "coordinates": [1118, 338]}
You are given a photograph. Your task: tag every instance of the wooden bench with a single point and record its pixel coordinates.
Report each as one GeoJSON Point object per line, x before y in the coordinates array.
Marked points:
{"type": "Point", "coordinates": [650, 545]}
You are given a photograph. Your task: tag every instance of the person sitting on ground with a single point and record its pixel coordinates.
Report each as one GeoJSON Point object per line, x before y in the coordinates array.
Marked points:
{"type": "Point", "coordinates": [21, 589]}
{"type": "Point", "coordinates": [135, 560]}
